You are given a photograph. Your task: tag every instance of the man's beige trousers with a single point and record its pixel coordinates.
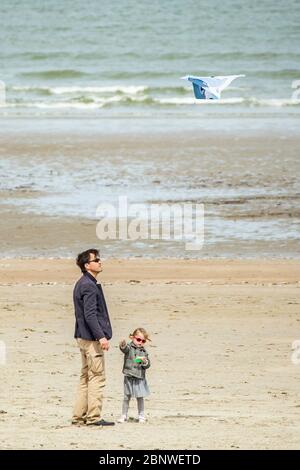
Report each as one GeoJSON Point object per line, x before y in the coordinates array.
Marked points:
{"type": "Point", "coordinates": [88, 405]}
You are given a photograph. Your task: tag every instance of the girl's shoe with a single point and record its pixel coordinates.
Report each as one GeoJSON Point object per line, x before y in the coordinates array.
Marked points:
{"type": "Point", "coordinates": [123, 419]}
{"type": "Point", "coordinates": [142, 419]}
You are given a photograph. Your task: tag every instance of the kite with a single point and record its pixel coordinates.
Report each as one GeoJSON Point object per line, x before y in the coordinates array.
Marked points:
{"type": "Point", "coordinates": [210, 88]}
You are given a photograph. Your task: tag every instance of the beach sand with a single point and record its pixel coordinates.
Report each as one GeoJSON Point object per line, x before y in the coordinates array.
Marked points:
{"type": "Point", "coordinates": [221, 377]}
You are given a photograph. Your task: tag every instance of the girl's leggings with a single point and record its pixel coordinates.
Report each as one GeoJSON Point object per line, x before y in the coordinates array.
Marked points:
{"type": "Point", "coordinates": [140, 405]}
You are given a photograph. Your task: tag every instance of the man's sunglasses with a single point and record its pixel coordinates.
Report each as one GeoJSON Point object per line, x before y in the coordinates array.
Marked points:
{"type": "Point", "coordinates": [96, 260]}
{"type": "Point", "coordinates": [140, 340]}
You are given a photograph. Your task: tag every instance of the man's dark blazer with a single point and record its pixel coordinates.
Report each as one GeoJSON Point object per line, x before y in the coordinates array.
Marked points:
{"type": "Point", "coordinates": [92, 318]}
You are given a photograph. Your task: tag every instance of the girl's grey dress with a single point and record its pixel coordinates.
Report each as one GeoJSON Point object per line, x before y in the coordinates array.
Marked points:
{"type": "Point", "coordinates": [135, 383]}
{"type": "Point", "coordinates": [136, 388]}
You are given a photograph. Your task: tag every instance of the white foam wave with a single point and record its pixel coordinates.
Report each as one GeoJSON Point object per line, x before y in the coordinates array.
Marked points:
{"type": "Point", "coordinates": [223, 101]}
{"type": "Point", "coordinates": [87, 96]}
{"type": "Point", "coordinates": [184, 101]}
{"type": "Point", "coordinates": [95, 102]}
{"type": "Point", "coordinates": [57, 105]}
{"type": "Point", "coordinates": [278, 102]}
{"type": "Point", "coordinates": [128, 90]}
{"type": "Point", "coordinates": [30, 88]}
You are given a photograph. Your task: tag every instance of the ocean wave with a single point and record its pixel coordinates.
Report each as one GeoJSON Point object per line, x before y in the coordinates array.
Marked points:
{"type": "Point", "coordinates": [191, 100]}
{"type": "Point", "coordinates": [81, 103]}
{"type": "Point", "coordinates": [120, 89]}
{"type": "Point", "coordinates": [94, 102]}
{"type": "Point", "coordinates": [131, 90]}
{"type": "Point", "coordinates": [252, 101]}
{"type": "Point", "coordinates": [142, 74]}
{"type": "Point", "coordinates": [91, 91]}
{"type": "Point", "coordinates": [276, 74]}
{"type": "Point", "coordinates": [236, 55]}
{"type": "Point", "coordinates": [275, 102]}
{"type": "Point", "coordinates": [52, 105]}
{"type": "Point", "coordinates": [135, 94]}
{"type": "Point", "coordinates": [55, 74]}
{"type": "Point", "coordinates": [40, 90]}
{"type": "Point", "coordinates": [164, 56]}
{"type": "Point", "coordinates": [36, 56]}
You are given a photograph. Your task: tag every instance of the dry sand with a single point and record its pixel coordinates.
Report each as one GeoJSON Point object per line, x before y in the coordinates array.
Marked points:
{"type": "Point", "coordinates": [221, 375]}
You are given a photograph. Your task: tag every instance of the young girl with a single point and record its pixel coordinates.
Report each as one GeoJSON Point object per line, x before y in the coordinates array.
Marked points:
{"type": "Point", "coordinates": [136, 361]}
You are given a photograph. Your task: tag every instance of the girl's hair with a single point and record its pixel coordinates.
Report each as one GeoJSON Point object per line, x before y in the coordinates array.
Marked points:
{"type": "Point", "coordinates": [143, 331]}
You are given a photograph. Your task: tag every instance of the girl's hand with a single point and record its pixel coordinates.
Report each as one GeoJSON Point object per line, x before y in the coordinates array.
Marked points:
{"type": "Point", "coordinates": [144, 359]}
{"type": "Point", "coordinates": [122, 343]}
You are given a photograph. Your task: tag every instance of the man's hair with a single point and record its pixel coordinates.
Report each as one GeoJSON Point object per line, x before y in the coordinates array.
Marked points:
{"type": "Point", "coordinates": [84, 258]}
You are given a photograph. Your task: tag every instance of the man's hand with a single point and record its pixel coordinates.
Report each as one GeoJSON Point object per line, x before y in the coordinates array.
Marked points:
{"type": "Point", "coordinates": [122, 343]}
{"type": "Point", "coordinates": [104, 343]}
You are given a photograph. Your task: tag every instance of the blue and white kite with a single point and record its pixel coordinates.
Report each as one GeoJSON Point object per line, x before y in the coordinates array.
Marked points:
{"type": "Point", "coordinates": [209, 88]}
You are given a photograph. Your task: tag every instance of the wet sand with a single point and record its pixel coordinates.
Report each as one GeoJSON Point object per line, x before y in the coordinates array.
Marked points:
{"type": "Point", "coordinates": [221, 375]}
{"type": "Point", "coordinates": [52, 184]}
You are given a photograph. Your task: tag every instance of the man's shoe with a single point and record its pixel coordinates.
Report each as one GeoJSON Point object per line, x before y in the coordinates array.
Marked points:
{"type": "Point", "coordinates": [78, 423]}
{"type": "Point", "coordinates": [102, 422]}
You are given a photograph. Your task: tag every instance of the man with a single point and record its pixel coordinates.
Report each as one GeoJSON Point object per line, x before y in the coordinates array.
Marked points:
{"type": "Point", "coordinates": [93, 332]}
